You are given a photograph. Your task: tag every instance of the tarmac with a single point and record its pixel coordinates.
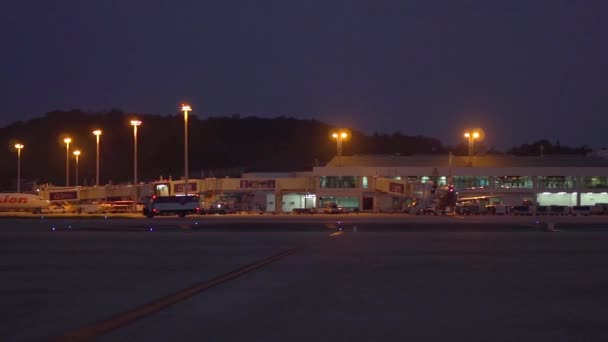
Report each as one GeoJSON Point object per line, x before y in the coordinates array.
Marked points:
{"type": "Point", "coordinates": [326, 277]}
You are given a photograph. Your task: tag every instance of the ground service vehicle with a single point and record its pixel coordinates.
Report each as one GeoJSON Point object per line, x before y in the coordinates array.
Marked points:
{"type": "Point", "coordinates": [171, 205]}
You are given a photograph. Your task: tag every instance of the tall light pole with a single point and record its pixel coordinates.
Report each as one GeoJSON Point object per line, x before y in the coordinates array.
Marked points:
{"type": "Point", "coordinates": [135, 124]}
{"type": "Point", "coordinates": [340, 135]}
{"type": "Point", "coordinates": [19, 147]}
{"type": "Point", "coordinates": [76, 155]}
{"type": "Point", "coordinates": [97, 133]}
{"type": "Point", "coordinates": [471, 136]}
{"type": "Point", "coordinates": [186, 108]}
{"type": "Point", "coordinates": [67, 142]}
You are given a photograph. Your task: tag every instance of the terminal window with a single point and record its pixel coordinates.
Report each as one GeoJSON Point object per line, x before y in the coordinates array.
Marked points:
{"type": "Point", "coordinates": [338, 182]}
{"type": "Point", "coordinates": [507, 182]}
{"type": "Point", "coordinates": [545, 182]}
{"type": "Point", "coordinates": [595, 182]}
{"type": "Point", "coordinates": [467, 182]}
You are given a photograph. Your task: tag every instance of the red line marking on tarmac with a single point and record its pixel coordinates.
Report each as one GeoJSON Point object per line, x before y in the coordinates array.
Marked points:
{"type": "Point", "coordinates": [91, 331]}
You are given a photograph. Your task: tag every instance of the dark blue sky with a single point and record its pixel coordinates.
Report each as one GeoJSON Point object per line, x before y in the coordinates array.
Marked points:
{"type": "Point", "coordinates": [523, 70]}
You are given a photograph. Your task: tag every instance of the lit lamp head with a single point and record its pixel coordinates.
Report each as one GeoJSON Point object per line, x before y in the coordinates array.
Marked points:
{"type": "Point", "coordinates": [186, 108]}
{"type": "Point", "coordinates": [135, 122]}
{"type": "Point", "coordinates": [97, 132]}
{"type": "Point", "coordinates": [76, 153]}
{"type": "Point", "coordinates": [472, 135]}
{"type": "Point", "coordinates": [19, 146]}
{"type": "Point", "coordinates": [67, 140]}
{"type": "Point", "coordinates": [341, 134]}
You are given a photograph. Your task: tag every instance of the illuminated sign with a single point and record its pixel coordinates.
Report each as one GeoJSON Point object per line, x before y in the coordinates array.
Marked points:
{"type": "Point", "coordinates": [63, 195]}
{"type": "Point", "coordinates": [396, 187]}
{"type": "Point", "coordinates": [258, 184]}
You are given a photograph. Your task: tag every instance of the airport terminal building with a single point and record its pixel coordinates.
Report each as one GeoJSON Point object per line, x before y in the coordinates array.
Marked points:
{"type": "Point", "coordinates": [387, 183]}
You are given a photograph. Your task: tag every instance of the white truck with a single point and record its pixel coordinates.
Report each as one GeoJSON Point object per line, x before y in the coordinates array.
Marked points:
{"type": "Point", "coordinates": [171, 205]}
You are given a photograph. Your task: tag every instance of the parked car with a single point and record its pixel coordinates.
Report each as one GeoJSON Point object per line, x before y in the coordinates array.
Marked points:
{"type": "Point", "coordinates": [304, 211]}
{"type": "Point", "coordinates": [220, 208]}
{"type": "Point", "coordinates": [559, 210]}
{"type": "Point", "coordinates": [581, 210]}
{"type": "Point", "coordinates": [521, 210]}
{"type": "Point", "coordinates": [333, 208]}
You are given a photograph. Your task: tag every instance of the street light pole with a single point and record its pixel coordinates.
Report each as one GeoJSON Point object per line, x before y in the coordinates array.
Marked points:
{"type": "Point", "coordinates": [67, 142]}
{"type": "Point", "coordinates": [76, 154]}
{"type": "Point", "coordinates": [135, 124]}
{"type": "Point", "coordinates": [471, 136]}
{"type": "Point", "coordinates": [340, 136]}
{"type": "Point", "coordinates": [186, 108]}
{"type": "Point", "coordinates": [97, 135]}
{"type": "Point", "coordinates": [19, 147]}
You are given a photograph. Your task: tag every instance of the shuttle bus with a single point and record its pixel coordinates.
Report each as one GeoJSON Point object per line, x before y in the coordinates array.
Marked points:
{"type": "Point", "coordinates": [171, 205]}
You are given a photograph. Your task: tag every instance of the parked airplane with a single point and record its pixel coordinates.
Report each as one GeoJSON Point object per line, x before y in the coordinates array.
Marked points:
{"type": "Point", "coordinates": [22, 202]}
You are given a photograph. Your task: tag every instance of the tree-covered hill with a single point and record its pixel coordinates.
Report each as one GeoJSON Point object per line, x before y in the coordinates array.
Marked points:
{"type": "Point", "coordinates": [218, 146]}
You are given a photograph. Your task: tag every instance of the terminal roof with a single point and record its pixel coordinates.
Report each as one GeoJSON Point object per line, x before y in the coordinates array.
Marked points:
{"type": "Point", "coordinates": [442, 160]}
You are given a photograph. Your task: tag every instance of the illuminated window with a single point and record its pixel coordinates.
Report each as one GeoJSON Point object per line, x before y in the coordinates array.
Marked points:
{"type": "Point", "coordinates": [517, 182]}
{"type": "Point", "coordinates": [338, 182]}
{"type": "Point", "coordinates": [545, 182]}
{"type": "Point", "coordinates": [467, 182]}
{"type": "Point", "coordinates": [364, 181]}
{"type": "Point", "coordinates": [596, 182]}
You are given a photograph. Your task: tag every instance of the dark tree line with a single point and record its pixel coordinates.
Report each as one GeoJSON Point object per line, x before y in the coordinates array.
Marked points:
{"type": "Point", "coordinates": [544, 146]}
{"type": "Point", "coordinates": [218, 146]}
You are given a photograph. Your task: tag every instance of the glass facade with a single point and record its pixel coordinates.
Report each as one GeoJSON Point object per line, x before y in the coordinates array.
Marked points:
{"type": "Point", "coordinates": [548, 182]}
{"type": "Point", "coordinates": [595, 182]}
{"type": "Point", "coordinates": [467, 182]}
{"type": "Point", "coordinates": [516, 182]}
{"type": "Point", "coordinates": [337, 182]}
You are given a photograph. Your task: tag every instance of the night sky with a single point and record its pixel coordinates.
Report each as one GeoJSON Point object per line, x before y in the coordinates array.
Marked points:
{"type": "Point", "coordinates": [522, 70]}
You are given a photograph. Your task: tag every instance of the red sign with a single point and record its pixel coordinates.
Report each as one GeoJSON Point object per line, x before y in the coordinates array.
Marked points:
{"type": "Point", "coordinates": [63, 195]}
{"type": "Point", "coordinates": [396, 187]}
{"type": "Point", "coordinates": [258, 184]}
{"type": "Point", "coordinates": [179, 188]}
{"type": "Point", "coordinates": [13, 199]}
